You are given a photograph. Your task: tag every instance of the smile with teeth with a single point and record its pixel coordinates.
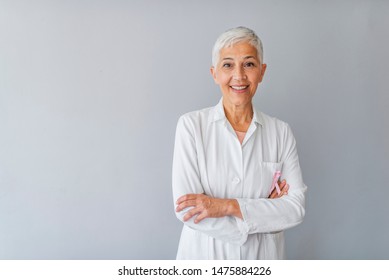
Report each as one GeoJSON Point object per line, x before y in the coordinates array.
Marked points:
{"type": "Point", "coordinates": [239, 87]}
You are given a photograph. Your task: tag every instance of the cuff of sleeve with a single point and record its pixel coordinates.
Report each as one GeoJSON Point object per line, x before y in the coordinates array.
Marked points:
{"type": "Point", "coordinates": [243, 224]}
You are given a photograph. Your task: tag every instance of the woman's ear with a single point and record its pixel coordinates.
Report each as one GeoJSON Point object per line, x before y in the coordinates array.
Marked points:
{"type": "Point", "coordinates": [263, 70]}
{"type": "Point", "coordinates": [213, 73]}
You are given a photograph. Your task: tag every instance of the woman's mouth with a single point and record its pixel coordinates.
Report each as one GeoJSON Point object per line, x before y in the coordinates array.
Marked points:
{"type": "Point", "coordinates": [239, 88]}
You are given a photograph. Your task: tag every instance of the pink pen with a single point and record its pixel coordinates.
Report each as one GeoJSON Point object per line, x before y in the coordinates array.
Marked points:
{"type": "Point", "coordinates": [274, 184]}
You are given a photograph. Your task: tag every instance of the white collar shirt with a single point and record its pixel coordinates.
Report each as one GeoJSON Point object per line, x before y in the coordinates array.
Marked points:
{"type": "Point", "coordinates": [208, 158]}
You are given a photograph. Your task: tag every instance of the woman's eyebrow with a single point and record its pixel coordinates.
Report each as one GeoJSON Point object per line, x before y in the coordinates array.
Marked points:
{"type": "Point", "coordinates": [246, 57]}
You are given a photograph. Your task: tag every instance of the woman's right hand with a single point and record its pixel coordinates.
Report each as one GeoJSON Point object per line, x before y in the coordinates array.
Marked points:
{"type": "Point", "coordinates": [284, 187]}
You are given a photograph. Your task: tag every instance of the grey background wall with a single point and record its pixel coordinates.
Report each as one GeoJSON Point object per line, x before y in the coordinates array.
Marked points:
{"type": "Point", "coordinates": [90, 92]}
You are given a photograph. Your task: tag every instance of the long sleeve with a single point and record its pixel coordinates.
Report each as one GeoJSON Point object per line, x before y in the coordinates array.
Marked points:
{"type": "Point", "coordinates": [271, 215]}
{"type": "Point", "coordinates": [187, 179]}
{"type": "Point", "coordinates": [210, 159]}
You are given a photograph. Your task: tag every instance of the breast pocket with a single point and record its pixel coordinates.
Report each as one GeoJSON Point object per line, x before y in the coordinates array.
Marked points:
{"type": "Point", "coordinates": [268, 171]}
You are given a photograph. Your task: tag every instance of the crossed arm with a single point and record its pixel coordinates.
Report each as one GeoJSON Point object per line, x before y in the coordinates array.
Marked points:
{"type": "Point", "coordinates": [234, 219]}
{"type": "Point", "coordinates": [208, 207]}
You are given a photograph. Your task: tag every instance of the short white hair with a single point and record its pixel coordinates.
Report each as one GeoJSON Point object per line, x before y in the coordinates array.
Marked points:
{"type": "Point", "coordinates": [234, 36]}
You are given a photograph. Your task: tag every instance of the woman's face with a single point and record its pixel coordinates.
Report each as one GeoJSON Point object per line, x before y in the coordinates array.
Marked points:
{"type": "Point", "coordinates": [238, 73]}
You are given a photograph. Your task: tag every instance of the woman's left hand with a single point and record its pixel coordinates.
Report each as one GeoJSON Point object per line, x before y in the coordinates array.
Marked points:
{"type": "Point", "coordinates": [207, 207]}
{"type": "Point", "coordinates": [284, 187]}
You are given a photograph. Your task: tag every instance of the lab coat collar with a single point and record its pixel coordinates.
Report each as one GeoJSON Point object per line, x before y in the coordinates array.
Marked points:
{"type": "Point", "coordinates": [219, 114]}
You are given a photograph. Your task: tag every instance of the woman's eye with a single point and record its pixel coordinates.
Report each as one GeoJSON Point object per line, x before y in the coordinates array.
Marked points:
{"type": "Point", "coordinates": [249, 64]}
{"type": "Point", "coordinates": [226, 65]}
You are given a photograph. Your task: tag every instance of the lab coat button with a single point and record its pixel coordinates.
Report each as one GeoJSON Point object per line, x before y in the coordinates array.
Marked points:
{"type": "Point", "coordinates": [236, 180]}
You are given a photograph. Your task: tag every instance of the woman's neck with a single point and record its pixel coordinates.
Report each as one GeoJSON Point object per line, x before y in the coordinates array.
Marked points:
{"type": "Point", "coordinates": [239, 116]}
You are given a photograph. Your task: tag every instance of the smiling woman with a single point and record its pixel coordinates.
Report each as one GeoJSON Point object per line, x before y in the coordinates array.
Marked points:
{"type": "Point", "coordinates": [237, 183]}
{"type": "Point", "coordinates": [238, 73]}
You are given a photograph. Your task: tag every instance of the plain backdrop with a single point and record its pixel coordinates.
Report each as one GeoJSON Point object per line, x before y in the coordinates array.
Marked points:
{"type": "Point", "coordinates": [90, 94]}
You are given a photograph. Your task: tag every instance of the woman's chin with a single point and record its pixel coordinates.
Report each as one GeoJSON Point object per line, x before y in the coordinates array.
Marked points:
{"type": "Point", "coordinates": [239, 99]}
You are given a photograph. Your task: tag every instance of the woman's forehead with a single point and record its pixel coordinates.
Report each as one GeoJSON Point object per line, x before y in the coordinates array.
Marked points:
{"type": "Point", "coordinates": [240, 50]}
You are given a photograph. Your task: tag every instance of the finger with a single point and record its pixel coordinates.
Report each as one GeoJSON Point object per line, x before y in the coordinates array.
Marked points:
{"type": "Point", "coordinates": [186, 197]}
{"type": "Point", "coordinates": [282, 186]}
{"type": "Point", "coordinates": [200, 217]}
{"type": "Point", "coordinates": [273, 194]}
{"type": "Point", "coordinates": [284, 190]}
{"type": "Point", "coordinates": [185, 204]}
{"type": "Point", "coordinates": [191, 213]}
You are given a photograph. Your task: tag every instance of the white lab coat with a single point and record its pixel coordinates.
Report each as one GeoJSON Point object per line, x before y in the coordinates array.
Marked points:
{"type": "Point", "coordinates": [208, 158]}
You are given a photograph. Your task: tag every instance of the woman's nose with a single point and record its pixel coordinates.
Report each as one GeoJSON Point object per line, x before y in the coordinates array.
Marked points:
{"type": "Point", "coordinates": [239, 74]}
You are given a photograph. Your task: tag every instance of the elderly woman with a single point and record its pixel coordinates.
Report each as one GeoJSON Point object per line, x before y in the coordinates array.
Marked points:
{"type": "Point", "coordinates": [237, 183]}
